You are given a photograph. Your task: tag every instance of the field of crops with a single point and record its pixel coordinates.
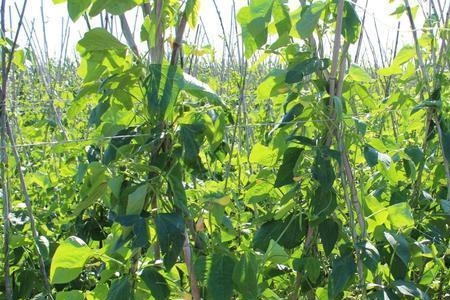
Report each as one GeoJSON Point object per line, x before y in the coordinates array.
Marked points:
{"type": "Point", "coordinates": [301, 157]}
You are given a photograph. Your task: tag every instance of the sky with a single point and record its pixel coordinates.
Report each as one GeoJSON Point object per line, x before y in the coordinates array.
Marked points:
{"type": "Point", "coordinates": [55, 15]}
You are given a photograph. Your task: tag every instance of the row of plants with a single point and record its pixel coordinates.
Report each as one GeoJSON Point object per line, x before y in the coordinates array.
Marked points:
{"type": "Point", "coordinates": [282, 170]}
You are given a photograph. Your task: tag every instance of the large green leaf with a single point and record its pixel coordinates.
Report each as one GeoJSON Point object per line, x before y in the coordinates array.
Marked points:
{"type": "Point", "coordinates": [400, 246]}
{"type": "Point", "coordinates": [69, 260]}
{"type": "Point", "coordinates": [282, 20]}
{"type": "Point", "coordinates": [121, 138]}
{"type": "Point", "coordinates": [358, 74]}
{"type": "Point", "coordinates": [446, 141]}
{"type": "Point", "coordinates": [263, 155]}
{"type": "Point", "coordinates": [351, 24]}
{"type": "Point", "coordinates": [245, 276]}
{"type": "Point", "coordinates": [70, 295]}
{"type": "Point", "coordinates": [175, 179]}
{"type": "Point", "coordinates": [373, 156]}
{"type": "Point", "coordinates": [370, 255]}
{"type": "Point", "coordinates": [310, 18]}
{"type": "Point", "coordinates": [192, 12]}
{"type": "Point", "coordinates": [254, 20]}
{"type": "Point", "coordinates": [288, 233]}
{"type": "Point", "coordinates": [285, 173]}
{"type": "Point", "coordinates": [114, 7]}
{"type": "Point", "coordinates": [343, 270]}
{"type": "Point", "coordinates": [407, 288]}
{"type": "Point", "coordinates": [171, 236]}
{"type": "Point", "coordinates": [136, 200]}
{"type": "Point", "coordinates": [275, 253]}
{"type": "Point", "coordinates": [401, 215]}
{"type": "Point", "coordinates": [304, 68]}
{"type": "Point", "coordinates": [309, 267]}
{"type": "Point", "coordinates": [322, 171]}
{"type": "Point", "coordinates": [120, 289]}
{"type": "Point", "coordinates": [220, 277]}
{"type": "Point", "coordinates": [329, 233]}
{"type": "Point", "coordinates": [200, 90]}
{"type": "Point", "coordinates": [156, 283]}
{"type": "Point", "coordinates": [162, 88]}
{"type": "Point", "coordinates": [98, 39]}
{"type": "Point", "coordinates": [324, 202]}
{"type": "Point", "coordinates": [77, 7]}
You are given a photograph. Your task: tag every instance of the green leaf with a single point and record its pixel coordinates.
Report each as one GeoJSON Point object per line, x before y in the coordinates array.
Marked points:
{"type": "Point", "coordinates": [446, 141]}
{"type": "Point", "coordinates": [373, 156]}
{"type": "Point", "coordinates": [136, 200]}
{"type": "Point", "coordinates": [191, 149]}
{"type": "Point", "coordinates": [94, 194]}
{"type": "Point", "coordinates": [69, 260]}
{"type": "Point", "coordinates": [400, 246]}
{"type": "Point", "coordinates": [175, 179]}
{"type": "Point", "coordinates": [275, 253]}
{"type": "Point", "coordinates": [308, 266]}
{"type": "Point", "coordinates": [285, 173]}
{"type": "Point", "coordinates": [43, 245]}
{"type": "Point", "coordinates": [121, 138]}
{"type": "Point", "coordinates": [288, 233]}
{"type": "Point", "coordinates": [324, 202]}
{"type": "Point", "coordinates": [437, 104]}
{"type": "Point", "coordinates": [70, 295]}
{"type": "Point", "coordinates": [120, 290]}
{"type": "Point", "coordinates": [245, 276]}
{"type": "Point", "coordinates": [77, 7]}
{"type": "Point", "coordinates": [162, 88]}
{"type": "Point", "coordinates": [282, 20]}
{"type": "Point", "coordinates": [201, 90]}
{"type": "Point", "coordinates": [401, 215]}
{"type": "Point", "coordinates": [370, 255]}
{"type": "Point", "coordinates": [306, 67]}
{"type": "Point", "coordinates": [338, 108]}
{"type": "Point", "coordinates": [343, 270]}
{"type": "Point", "coordinates": [263, 155]}
{"type": "Point", "coordinates": [351, 24]}
{"type": "Point", "coordinates": [115, 185]}
{"type": "Point", "coordinates": [272, 85]}
{"type": "Point", "coordinates": [114, 7]}
{"type": "Point", "coordinates": [192, 11]}
{"type": "Point", "coordinates": [404, 55]}
{"type": "Point", "coordinates": [415, 153]}
{"type": "Point", "coordinates": [254, 20]}
{"type": "Point", "coordinates": [171, 235]}
{"type": "Point", "coordinates": [156, 283]}
{"type": "Point", "coordinates": [322, 171]}
{"type": "Point", "coordinates": [407, 288]}
{"type": "Point", "coordinates": [358, 74]}
{"type": "Point", "coordinates": [329, 233]}
{"type": "Point", "coordinates": [98, 39]}
{"type": "Point", "coordinates": [309, 19]}
{"type": "Point", "coordinates": [289, 117]}
{"type": "Point", "coordinates": [95, 117]}
{"type": "Point", "coordinates": [220, 277]}
{"type": "Point", "coordinates": [392, 70]}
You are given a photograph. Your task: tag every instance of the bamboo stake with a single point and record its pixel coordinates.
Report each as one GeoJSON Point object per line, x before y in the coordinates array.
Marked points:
{"type": "Point", "coordinates": [345, 162]}
{"type": "Point", "coordinates": [431, 114]}
{"type": "Point", "coordinates": [4, 164]}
